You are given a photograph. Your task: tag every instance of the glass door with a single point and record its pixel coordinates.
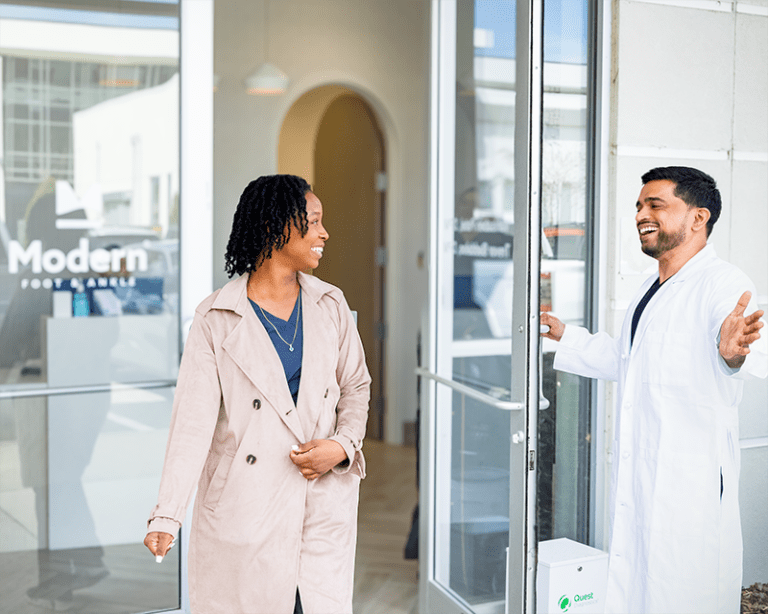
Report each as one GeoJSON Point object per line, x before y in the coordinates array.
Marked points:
{"type": "Point", "coordinates": [509, 145]}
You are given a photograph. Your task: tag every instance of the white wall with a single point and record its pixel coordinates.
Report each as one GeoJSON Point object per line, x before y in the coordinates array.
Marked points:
{"type": "Point", "coordinates": [381, 50]}
{"type": "Point", "coordinates": [690, 88]}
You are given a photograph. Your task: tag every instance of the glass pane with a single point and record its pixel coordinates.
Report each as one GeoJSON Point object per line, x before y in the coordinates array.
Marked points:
{"type": "Point", "coordinates": [89, 282]}
{"type": "Point", "coordinates": [564, 427]}
{"type": "Point", "coordinates": [474, 532]}
{"type": "Point", "coordinates": [474, 324]}
{"type": "Point", "coordinates": [80, 474]}
{"type": "Point", "coordinates": [484, 176]}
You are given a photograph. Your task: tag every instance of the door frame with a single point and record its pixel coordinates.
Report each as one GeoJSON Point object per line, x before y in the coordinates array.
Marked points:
{"type": "Point", "coordinates": [526, 345]}
{"type": "Point", "coordinates": [195, 190]}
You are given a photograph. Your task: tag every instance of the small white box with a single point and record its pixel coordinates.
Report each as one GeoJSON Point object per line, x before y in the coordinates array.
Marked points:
{"type": "Point", "coordinates": [62, 304]}
{"type": "Point", "coordinates": [571, 577]}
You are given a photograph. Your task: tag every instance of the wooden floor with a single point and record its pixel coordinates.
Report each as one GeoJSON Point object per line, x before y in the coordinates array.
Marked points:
{"type": "Point", "coordinates": [384, 581]}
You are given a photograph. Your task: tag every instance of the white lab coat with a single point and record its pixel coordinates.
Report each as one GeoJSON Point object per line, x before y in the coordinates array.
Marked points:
{"type": "Point", "coordinates": [675, 545]}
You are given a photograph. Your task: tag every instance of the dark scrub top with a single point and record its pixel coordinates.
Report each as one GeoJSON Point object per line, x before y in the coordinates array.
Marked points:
{"type": "Point", "coordinates": [291, 360]}
{"type": "Point", "coordinates": [642, 305]}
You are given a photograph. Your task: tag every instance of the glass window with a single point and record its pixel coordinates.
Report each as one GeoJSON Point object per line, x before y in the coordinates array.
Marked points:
{"type": "Point", "coordinates": [89, 322]}
{"type": "Point", "coordinates": [80, 472]}
{"type": "Point", "coordinates": [60, 73]}
{"type": "Point", "coordinates": [65, 164]}
{"type": "Point", "coordinates": [565, 426]}
{"type": "Point", "coordinates": [472, 534]}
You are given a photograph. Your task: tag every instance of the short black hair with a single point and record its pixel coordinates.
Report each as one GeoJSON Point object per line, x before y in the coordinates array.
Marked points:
{"type": "Point", "coordinates": [694, 187]}
{"type": "Point", "coordinates": [268, 208]}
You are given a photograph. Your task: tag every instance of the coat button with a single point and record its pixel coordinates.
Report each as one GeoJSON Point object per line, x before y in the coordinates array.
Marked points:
{"type": "Point", "coordinates": [256, 404]}
{"type": "Point", "coordinates": [325, 396]}
{"type": "Point", "coordinates": [250, 459]}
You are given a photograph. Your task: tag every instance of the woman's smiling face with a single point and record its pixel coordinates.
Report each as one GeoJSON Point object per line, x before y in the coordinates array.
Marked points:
{"type": "Point", "coordinates": [304, 252]}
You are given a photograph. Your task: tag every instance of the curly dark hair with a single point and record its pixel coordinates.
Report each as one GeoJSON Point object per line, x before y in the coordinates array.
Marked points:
{"type": "Point", "coordinates": [268, 209]}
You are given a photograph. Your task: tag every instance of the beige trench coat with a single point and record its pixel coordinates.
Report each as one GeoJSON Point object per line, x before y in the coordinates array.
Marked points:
{"type": "Point", "coordinates": [260, 529]}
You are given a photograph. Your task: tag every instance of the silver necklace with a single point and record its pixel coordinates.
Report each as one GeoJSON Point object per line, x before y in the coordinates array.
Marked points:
{"type": "Point", "coordinates": [298, 316]}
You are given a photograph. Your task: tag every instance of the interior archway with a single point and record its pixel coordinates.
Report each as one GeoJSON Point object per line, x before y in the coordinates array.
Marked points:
{"type": "Point", "coordinates": [332, 138]}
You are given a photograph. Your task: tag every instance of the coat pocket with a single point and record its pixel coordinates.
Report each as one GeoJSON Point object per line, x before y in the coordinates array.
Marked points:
{"type": "Point", "coordinates": [219, 480]}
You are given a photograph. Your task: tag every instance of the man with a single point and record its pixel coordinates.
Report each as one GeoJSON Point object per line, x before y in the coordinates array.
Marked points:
{"type": "Point", "coordinates": [675, 543]}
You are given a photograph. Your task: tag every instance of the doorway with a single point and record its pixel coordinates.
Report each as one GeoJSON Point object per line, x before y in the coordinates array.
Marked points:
{"type": "Point", "coordinates": [332, 138]}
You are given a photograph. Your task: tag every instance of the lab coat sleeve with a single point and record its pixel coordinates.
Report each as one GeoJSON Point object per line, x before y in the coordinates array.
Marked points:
{"type": "Point", "coordinates": [193, 421]}
{"type": "Point", "coordinates": [355, 385]}
{"type": "Point", "coordinates": [756, 363]}
{"type": "Point", "coordinates": [583, 353]}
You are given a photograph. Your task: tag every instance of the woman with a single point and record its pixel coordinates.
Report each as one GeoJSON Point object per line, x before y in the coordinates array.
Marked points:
{"type": "Point", "coordinates": [268, 422]}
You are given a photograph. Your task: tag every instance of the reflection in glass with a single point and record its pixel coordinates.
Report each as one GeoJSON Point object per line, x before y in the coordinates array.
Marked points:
{"type": "Point", "coordinates": [87, 227]}
{"type": "Point", "coordinates": [564, 428]}
{"type": "Point", "coordinates": [484, 229]}
{"type": "Point", "coordinates": [484, 176]}
{"type": "Point", "coordinates": [79, 474]}
{"type": "Point", "coordinates": [473, 534]}
{"type": "Point", "coordinates": [88, 296]}
{"type": "Point", "coordinates": [479, 518]}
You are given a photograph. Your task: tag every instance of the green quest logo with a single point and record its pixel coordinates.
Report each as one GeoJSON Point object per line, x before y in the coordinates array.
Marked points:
{"type": "Point", "coordinates": [565, 602]}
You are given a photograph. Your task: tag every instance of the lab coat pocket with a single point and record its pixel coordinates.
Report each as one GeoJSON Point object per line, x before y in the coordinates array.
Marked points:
{"type": "Point", "coordinates": [219, 480]}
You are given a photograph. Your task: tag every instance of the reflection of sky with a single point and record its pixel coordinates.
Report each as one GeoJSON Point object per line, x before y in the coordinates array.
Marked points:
{"type": "Point", "coordinates": [565, 29]}
{"type": "Point", "coordinates": [95, 18]}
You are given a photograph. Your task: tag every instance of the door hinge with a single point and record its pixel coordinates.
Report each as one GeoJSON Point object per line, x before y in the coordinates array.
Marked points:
{"type": "Point", "coordinates": [381, 181]}
{"type": "Point", "coordinates": [381, 256]}
{"type": "Point", "coordinates": [381, 330]}
{"type": "Point", "coordinates": [531, 460]}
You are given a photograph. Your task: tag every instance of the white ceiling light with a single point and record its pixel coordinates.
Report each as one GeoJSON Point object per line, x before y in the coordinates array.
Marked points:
{"type": "Point", "coordinates": [268, 79]}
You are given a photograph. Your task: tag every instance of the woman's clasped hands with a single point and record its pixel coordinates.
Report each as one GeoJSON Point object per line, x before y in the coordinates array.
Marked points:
{"type": "Point", "coordinates": [317, 457]}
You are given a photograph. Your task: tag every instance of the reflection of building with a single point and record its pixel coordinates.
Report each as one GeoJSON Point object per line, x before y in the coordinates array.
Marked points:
{"type": "Point", "coordinates": [45, 88]}
{"type": "Point", "coordinates": [565, 118]}
{"type": "Point", "coordinates": [128, 147]}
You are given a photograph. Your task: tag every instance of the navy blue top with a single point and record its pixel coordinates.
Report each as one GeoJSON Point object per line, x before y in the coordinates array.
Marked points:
{"type": "Point", "coordinates": [642, 305]}
{"type": "Point", "coordinates": [291, 360]}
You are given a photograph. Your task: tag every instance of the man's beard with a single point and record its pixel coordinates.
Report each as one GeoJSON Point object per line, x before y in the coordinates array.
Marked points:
{"type": "Point", "coordinates": [664, 242]}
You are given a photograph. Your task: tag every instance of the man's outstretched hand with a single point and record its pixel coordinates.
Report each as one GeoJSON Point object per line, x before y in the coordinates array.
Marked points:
{"type": "Point", "coordinates": [738, 332]}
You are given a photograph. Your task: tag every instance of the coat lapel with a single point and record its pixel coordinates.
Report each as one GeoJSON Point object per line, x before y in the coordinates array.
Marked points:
{"type": "Point", "coordinates": [668, 291]}
{"type": "Point", "coordinates": [316, 363]}
{"type": "Point", "coordinates": [252, 350]}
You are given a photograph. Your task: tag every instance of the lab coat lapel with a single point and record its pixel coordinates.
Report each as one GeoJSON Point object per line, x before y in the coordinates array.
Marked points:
{"type": "Point", "coordinates": [657, 307]}
{"type": "Point", "coordinates": [317, 360]}
{"type": "Point", "coordinates": [252, 350]}
{"type": "Point", "coordinates": [660, 302]}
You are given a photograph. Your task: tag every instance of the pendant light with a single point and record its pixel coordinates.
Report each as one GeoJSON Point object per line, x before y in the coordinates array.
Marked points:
{"type": "Point", "coordinates": [268, 79]}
